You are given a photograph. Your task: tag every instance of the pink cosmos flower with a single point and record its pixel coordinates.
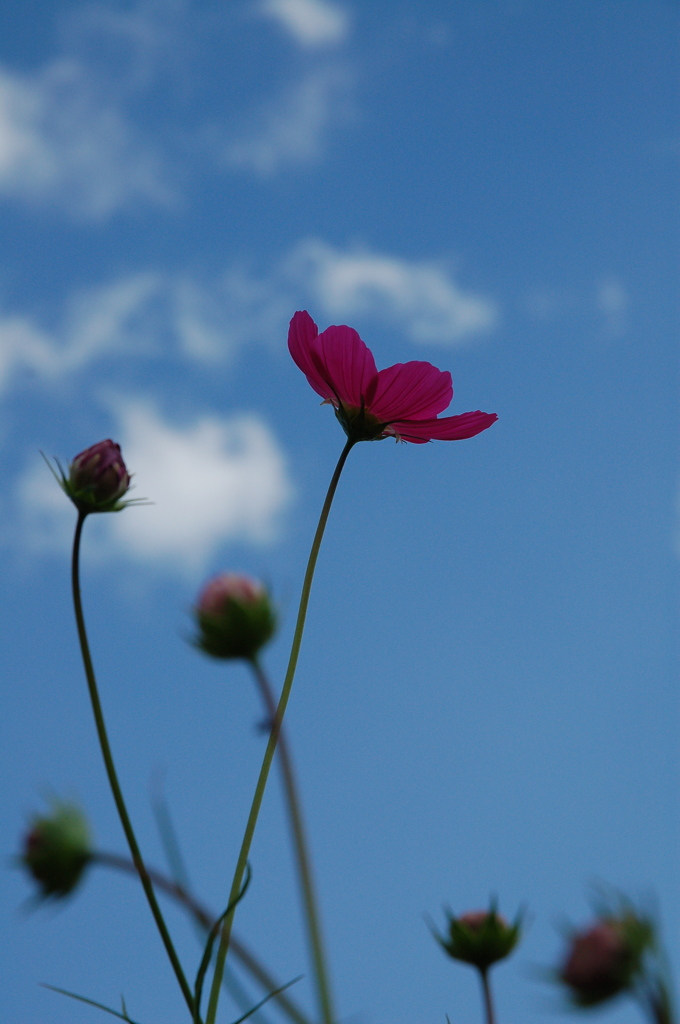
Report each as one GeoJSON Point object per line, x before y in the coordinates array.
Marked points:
{"type": "Point", "coordinates": [402, 401]}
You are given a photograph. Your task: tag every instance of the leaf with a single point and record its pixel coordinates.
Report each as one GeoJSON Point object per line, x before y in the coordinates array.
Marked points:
{"type": "Point", "coordinates": [266, 999]}
{"type": "Point", "coordinates": [91, 1002]}
{"type": "Point", "coordinates": [166, 829]}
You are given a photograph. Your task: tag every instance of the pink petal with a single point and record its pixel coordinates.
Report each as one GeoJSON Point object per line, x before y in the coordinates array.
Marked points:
{"type": "Point", "coordinates": [413, 390]}
{"type": "Point", "coordinates": [301, 336]}
{"type": "Point", "coordinates": [448, 428]}
{"type": "Point", "coordinates": [343, 360]}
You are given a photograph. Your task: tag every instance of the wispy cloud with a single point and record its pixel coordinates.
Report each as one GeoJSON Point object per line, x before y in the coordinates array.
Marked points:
{"type": "Point", "coordinates": [420, 297]}
{"type": "Point", "coordinates": [61, 142]}
{"type": "Point", "coordinates": [607, 303]}
{"type": "Point", "coordinates": [79, 134]}
{"type": "Point", "coordinates": [213, 319]}
{"type": "Point", "coordinates": [213, 481]}
{"type": "Point", "coordinates": [612, 302]}
{"type": "Point", "coordinates": [292, 130]}
{"type": "Point", "coordinates": [97, 322]}
{"type": "Point", "coordinates": [154, 315]}
{"type": "Point", "coordinates": [136, 40]}
{"type": "Point", "coordinates": [150, 316]}
{"type": "Point", "coordinates": [311, 23]}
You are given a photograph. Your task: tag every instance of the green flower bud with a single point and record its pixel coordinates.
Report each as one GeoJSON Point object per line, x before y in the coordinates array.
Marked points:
{"type": "Point", "coordinates": [480, 937]}
{"type": "Point", "coordinates": [235, 617]}
{"type": "Point", "coordinates": [57, 850]}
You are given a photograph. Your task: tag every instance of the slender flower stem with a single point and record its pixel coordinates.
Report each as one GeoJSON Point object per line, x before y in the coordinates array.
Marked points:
{"type": "Point", "coordinates": [111, 770]}
{"type": "Point", "coordinates": [301, 851]}
{"type": "Point", "coordinates": [488, 1001]}
{"type": "Point", "coordinates": [656, 1003]}
{"type": "Point", "coordinates": [274, 735]}
{"type": "Point", "coordinates": [660, 1013]}
{"type": "Point", "coordinates": [206, 920]}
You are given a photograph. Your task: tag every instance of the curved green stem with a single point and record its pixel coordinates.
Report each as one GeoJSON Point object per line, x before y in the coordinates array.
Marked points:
{"type": "Point", "coordinates": [274, 735]}
{"type": "Point", "coordinates": [111, 770]}
{"type": "Point", "coordinates": [488, 1001]}
{"type": "Point", "coordinates": [301, 852]}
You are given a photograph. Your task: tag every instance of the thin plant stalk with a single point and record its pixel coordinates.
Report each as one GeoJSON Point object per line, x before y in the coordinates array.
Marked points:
{"type": "Point", "coordinates": [488, 1000]}
{"type": "Point", "coordinates": [206, 920]}
{"type": "Point", "coordinates": [655, 1001]}
{"type": "Point", "coordinates": [304, 866]}
{"type": "Point", "coordinates": [274, 735]}
{"type": "Point", "coordinates": [111, 770]}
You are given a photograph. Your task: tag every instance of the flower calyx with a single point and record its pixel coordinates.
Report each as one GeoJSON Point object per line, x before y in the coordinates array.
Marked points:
{"type": "Point", "coordinates": [359, 424]}
{"type": "Point", "coordinates": [480, 937]}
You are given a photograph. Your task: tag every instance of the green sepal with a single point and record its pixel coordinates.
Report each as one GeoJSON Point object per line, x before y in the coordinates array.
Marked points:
{"type": "Point", "coordinates": [239, 632]}
{"type": "Point", "coordinates": [83, 498]}
{"type": "Point", "coordinates": [493, 940]}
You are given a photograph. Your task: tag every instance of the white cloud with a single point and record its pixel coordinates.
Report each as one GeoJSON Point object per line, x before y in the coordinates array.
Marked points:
{"type": "Point", "coordinates": [147, 315]}
{"type": "Point", "coordinates": [546, 303]}
{"type": "Point", "coordinates": [612, 301]}
{"type": "Point", "coordinates": [609, 303]}
{"type": "Point", "coordinates": [71, 135]}
{"type": "Point", "coordinates": [44, 513]}
{"type": "Point", "coordinates": [212, 482]}
{"type": "Point", "coordinates": [154, 315]}
{"type": "Point", "coordinates": [310, 22]}
{"type": "Point", "coordinates": [420, 296]}
{"type": "Point", "coordinates": [292, 130]}
{"type": "Point", "coordinates": [112, 318]}
{"type": "Point", "coordinates": [137, 39]}
{"type": "Point", "coordinates": [214, 319]}
{"type": "Point", "coordinates": [24, 346]}
{"type": "Point", "coordinates": [62, 143]}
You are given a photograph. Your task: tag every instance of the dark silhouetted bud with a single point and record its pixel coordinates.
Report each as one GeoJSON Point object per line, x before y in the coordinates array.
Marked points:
{"type": "Point", "coordinates": [235, 617]}
{"type": "Point", "coordinates": [98, 478]}
{"type": "Point", "coordinates": [606, 958]}
{"type": "Point", "coordinates": [480, 937]}
{"type": "Point", "coordinates": [57, 850]}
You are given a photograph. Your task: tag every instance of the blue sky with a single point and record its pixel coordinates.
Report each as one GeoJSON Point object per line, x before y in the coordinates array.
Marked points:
{"type": "Point", "coordinates": [487, 694]}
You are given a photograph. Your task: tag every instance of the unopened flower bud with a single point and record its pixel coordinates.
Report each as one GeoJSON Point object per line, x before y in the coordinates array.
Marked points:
{"type": "Point", "coordinates": [235, 617]}
{"type": "Point", "coordinates": [98, 478]}
{"type": "Point", "coordinates": [604, 959]}
{"type": "Point", "coordinates": [480, 937]}
{"type": "Point", "coordinates": [57, 850]}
